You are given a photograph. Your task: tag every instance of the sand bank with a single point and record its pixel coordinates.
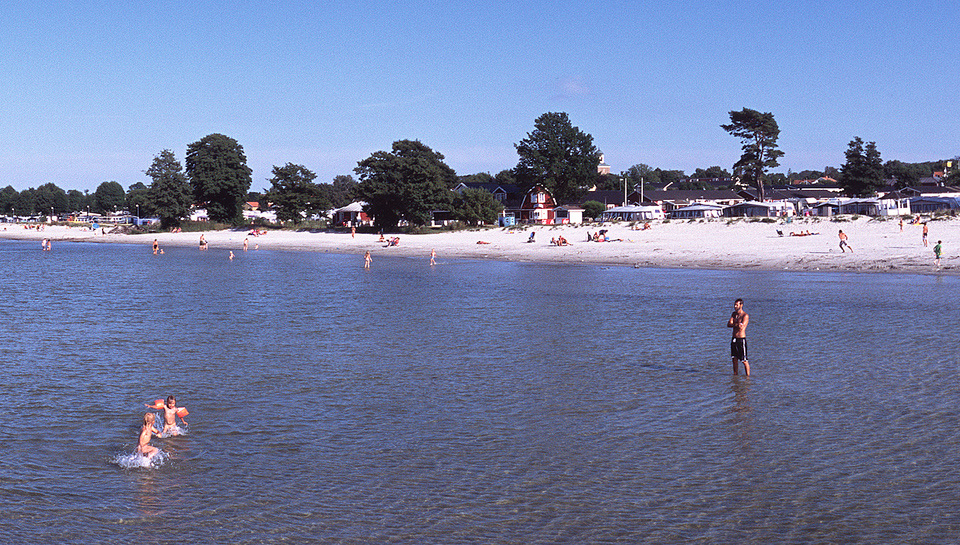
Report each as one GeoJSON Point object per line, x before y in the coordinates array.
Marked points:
{"type": "Point", "coordinates": [879, 246]}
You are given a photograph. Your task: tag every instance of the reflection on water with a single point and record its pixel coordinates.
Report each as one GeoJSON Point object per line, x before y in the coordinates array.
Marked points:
{"type": "Point", "coordinates": [472, 402]}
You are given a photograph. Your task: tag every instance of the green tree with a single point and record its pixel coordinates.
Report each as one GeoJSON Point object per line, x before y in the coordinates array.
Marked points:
{"type": "Point", "coordinates": [25, 203]}
{"type": "Point", "coordinates": [76, 201]}
{"type": "Point", "coordinates": [51, 199]}
{"type": "Point", "coordinates": [559, 157]}
{"type": "Point", "coordinates": [218, 172]}
{"type": "Point", "coordinates": [758, 132]}
{"type": "Point", "coordinates": [593, 209]}
{"type": "Point", "coordinates": [109, 197]}
{"type": "Point", "coordinates": [293, 193]}
{"type": "Point", "coordinates": [643, 172]}
{"type": "Point", "coordinates": [478, 178]}
{"type": "Point", "coordinates": [8, 196]}
{"type": "Point", "coordinates": [506, 177]}
{"type": "Point", "coordinates": [862, 174]}
{"type": "Point", "coordinates": [140, 200]}
{"type": "Point", "coordinates": [711, 172]}
{"type": "Point", "coordinates": [476, 207]}
{"type": "Point", "coordinates": [407, 183]}
{"type": "Point", "coordinates": [905, 174]}
{"type": "Point", "coordinates": [341, 192]}
{"type": "Point", "coordinates": [668, 177]}
{"type": "Point", "coordinates": [170, 192]}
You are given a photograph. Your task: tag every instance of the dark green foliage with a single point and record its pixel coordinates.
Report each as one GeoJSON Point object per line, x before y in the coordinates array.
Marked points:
{"type": "Point", "coordinates": [478, 178]}
{"type": "Point", "coordinates": [476, 207]}
{"type": "Point", "coordinates": [170, 192]}
{"type": "Point", "coordinates": [50, 198]}
{"type": "Point", "coordinates": [906, 174]}
{"type": "Point", "coordinates": [559, 157]}
{"type": "Point", "coordinates": [7, 197]}
{"type": "Point", "coordinates": [639, 172]}
{"type": "Point", "coordinates": [218, 172]}
{"type": "Point", "coordinates": [341, 192]}
{"type": "Point", "coordinates": [758, 132]}
{"type": "Point", "coordinates": [506, 177]}
{"type": "Point", "coordinates": [76, 201]}
{"type": "Point", "coordinates": [140, 200]}
{"type": "Point", "coordinates": [862, 175]}
{"type": "Point", "coordinates": [609, 182]}
{"type": "Point", "coordinates": [593, 209]}
{"type": "Point", "coordinates": [407, 183]}
{"type": "Point", "coordinates": [293, 193]}
{"type": "Point", "coordinates": [711, 172]}
{"type": "Point", "coordinates": [670, 177]}
{"type": "Point", "coordinates": [109, 197]}
{"type": "Point", "coordinates": [25, 202]}
{"type": "Point", "coordinates": [778, 178]}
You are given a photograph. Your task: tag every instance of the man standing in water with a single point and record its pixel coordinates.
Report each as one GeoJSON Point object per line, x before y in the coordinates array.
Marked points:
{"type": "Point", "coordinates": [738, 344]}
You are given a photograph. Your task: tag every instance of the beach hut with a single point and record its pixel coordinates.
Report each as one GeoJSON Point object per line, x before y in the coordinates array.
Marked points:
{"type": "Point", "coordinates": [929, 205]}
{"type": "Point", "coordinates": [567, 214]}
{"type": "Point", "coordinates": [754, 209]}
{"type": "Point", "coordinates": [876, 207]}
{"type": "Point", "coordinates": [632, 213]}
{"type": "Point", "coordinates": [698, 210]}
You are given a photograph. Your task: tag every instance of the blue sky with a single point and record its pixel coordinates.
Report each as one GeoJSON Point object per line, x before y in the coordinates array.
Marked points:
{"type": "Point", "coordinates": [92, 91]}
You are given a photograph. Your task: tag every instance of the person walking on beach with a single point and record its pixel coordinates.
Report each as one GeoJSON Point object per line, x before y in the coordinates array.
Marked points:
{"type": "Point", "coordinates": [926, 231]}
{"type": "Point", "coordinates": [738, 344]}
{"type": "Point", "coordinates": [367, 259]}
{"type": "Point", "coordinates": [936, 253]}
{"type": "Point", "coordinates": [843, 242]}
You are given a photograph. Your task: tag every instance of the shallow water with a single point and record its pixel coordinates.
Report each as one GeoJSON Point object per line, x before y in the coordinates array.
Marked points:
{"type": "Point", "coordinates": [471, 401]}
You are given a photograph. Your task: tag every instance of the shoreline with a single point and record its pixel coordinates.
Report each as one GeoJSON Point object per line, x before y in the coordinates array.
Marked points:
{"type": "Point", "coordinates": [718, 244]}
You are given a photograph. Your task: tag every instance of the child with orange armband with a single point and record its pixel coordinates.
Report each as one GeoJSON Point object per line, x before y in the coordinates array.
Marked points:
{"type": "Point", "coordinates": [170, 414]}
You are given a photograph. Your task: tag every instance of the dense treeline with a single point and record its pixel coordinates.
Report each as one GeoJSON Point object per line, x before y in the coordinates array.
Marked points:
{"type": "Point", "coordinates": [410, 182]}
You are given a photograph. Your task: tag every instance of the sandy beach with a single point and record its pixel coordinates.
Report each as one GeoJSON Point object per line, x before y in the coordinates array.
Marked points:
{"type": "Point", "coordinates": [879, 245]}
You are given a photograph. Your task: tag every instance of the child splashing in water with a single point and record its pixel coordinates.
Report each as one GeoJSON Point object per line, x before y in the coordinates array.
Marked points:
{"type": "Point", "coordinates": [147, 432]}
{"type": "Point", "coordinates": [170, 414]}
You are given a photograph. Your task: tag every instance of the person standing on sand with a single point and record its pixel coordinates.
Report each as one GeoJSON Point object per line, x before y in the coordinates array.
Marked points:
{"type": "Point", "coordinates": [738, 344]}
{"type": "Point", "coordinates": [926, 231]}
{"type": "Point", "coordinates": [936, 252]}
{"type": "Point", "coordinates": [843, 242]}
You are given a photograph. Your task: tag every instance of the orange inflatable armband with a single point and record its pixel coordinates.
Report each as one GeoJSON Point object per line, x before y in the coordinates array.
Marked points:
{"type": "Point", "coordinates": [158, 404]}
{"type": "Point", "coordinates": [182, 411]}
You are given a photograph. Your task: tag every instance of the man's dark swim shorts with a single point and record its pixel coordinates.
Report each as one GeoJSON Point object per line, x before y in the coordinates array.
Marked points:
{"type": "Point", "coordinates": [738, 348]}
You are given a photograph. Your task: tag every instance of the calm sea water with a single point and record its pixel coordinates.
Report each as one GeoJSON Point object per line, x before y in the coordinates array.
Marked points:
{"type": "Point", "coordinates": [471, 402]}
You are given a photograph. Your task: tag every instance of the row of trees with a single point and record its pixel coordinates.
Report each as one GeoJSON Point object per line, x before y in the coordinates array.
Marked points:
{"type": "Point", "coordinates": [410, 182]}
